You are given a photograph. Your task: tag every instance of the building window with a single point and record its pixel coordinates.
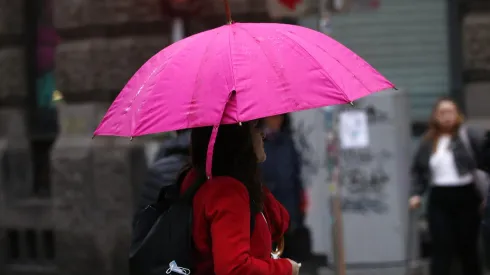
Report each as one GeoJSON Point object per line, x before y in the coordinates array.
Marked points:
{"type": "Point", "coordinates": [30, 246]}
{"type": "Point", "coordinates": [48, 244]}
{"type": "Point", "coordinates": [13, 246]}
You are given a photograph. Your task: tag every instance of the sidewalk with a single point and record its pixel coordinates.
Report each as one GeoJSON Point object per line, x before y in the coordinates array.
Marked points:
{"type": "Point", "coordinates": [423, 270]}
{"type": "Point", "coordinates": [384, 271]}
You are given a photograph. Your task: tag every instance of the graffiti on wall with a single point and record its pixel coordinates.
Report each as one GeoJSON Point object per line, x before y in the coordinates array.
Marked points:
{"type": "Point", "coordinates": [364, 179]}
{"type": "Point", "coordinates": [364, 176]}
{"type": "Point", "coordinates": [375, 115]}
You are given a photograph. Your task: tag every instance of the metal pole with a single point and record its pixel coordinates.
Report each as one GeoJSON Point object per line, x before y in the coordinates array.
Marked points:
{"type": "Point", "coordinates": [336, 204]}
{"type": "Point", "coordinates": [335, 186]}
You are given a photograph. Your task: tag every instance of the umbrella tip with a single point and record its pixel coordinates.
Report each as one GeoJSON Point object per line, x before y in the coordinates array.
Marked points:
{"type": "Point", "coordinates": [93, 136]}
{"type": "Point", "coordinates": [131, 139]}
{"type": "Point", "coordinates": [239, 123]}
{"type": "Point", "coordinates": [352, 103]}
{"type": "Point", "coordinates": [395, 88]}
{"type": "Point", "coordinates": [228, 12]}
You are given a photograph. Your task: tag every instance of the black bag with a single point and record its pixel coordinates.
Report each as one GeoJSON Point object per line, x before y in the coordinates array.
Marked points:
{"type": "Point", "coordinates": [298, 244]}
{"type": "Point", "coordinates": [162, 232]}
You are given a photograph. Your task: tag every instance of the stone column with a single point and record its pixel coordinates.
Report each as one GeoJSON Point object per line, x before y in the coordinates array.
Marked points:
{"type": "Point", "coordinates": [15, 166]}
{"type": "Point", "coordinates": [95, 181]}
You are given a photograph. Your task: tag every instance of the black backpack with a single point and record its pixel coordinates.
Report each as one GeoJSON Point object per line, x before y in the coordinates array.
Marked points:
{"type": "Point", "coordinates": [162, 232]}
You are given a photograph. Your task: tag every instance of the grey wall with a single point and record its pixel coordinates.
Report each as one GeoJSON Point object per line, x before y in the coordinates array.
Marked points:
{"type": "Point", "coordinates": [407, 41]}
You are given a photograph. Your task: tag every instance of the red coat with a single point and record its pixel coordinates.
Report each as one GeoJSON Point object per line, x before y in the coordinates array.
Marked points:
{"type": "Point", "coordinates": [221, 230]}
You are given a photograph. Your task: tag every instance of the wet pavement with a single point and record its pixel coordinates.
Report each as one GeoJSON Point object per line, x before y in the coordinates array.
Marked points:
{"type": "Point", "coordinates": [421, 270]}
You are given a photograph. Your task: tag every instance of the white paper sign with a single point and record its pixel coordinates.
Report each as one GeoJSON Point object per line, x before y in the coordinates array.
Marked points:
{"type": "Point", "coordinates": [353, 130]}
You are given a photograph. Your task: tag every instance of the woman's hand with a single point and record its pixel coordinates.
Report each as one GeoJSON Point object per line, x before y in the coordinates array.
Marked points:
{"type": "Point", "coordinates": [415, 202]}
{"type": "Point", "coordinates": [295, 266]}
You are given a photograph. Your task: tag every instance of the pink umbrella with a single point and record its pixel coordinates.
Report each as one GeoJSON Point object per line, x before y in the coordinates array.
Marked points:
{"type": "Point", "coordinates": [235, 73]}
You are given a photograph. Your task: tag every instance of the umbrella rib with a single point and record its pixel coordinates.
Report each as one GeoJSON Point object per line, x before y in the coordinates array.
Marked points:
{"type": "Point", "coordinates": [279, 74]}
{"type": "Point", "coordinates": [326, 73]}
{"type": "Point", "coordinates": [154, 72]}
{"type": "Point", "coordinates": [196, 79]}
{"type": "Point", "coordinates": [232, 70]}
{"type": "Point", "coordinates": [231, 57]}
{"type": "Point", "coordinates": [347, 69]}
{"type": "Point", "coordinates": [341, 64]}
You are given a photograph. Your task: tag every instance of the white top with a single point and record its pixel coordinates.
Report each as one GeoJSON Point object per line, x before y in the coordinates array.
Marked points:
{"type": "Point", "coordinates": [443, 167]}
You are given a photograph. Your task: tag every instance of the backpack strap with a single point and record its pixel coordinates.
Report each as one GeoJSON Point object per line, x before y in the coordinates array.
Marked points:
{"type": "Point", "coordinates": [192, 190]}
{"type": "Point", "coordinates": [173, 192]}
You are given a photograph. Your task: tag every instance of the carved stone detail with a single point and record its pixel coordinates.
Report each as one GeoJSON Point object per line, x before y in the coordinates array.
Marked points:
{"type": "Point", "coordinates": [476, 40]}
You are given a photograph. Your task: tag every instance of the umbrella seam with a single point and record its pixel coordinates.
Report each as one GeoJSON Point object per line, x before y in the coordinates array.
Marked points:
{"type": "Point", "coordinates": [341, 64]}
{"type": "Point", "coordinates": [325, 72]}
{"type": "Point", "coordinates": [230, 34]}
{"type": "Point", "coordinates": [154, 72]}
{"type": "Point", "coordinates": [280, 75]}
{"type": "Point", "coordinates": [189, 113]}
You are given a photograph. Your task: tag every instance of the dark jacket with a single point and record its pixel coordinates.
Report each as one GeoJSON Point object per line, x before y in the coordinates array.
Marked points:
{"type": "Point", "coordinates": [484, 163]}
{"type": "Point", "coordinates": [281, 173]}
{"type": "Point", "coordinates": [170, 160]}
{"type": "Point", "coordinates": [421, 174]}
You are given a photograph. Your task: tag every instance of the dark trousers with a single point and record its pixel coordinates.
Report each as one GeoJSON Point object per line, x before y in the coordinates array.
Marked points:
{"type": "Point", "coordinates": [454, 224]}
{"type": "Point", "coordinates": [298, 248]}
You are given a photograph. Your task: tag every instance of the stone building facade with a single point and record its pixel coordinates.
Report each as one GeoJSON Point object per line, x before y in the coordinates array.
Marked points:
{"type": "Point", "coordinates": [65, 207]}
{"type": "Point", "coordinates": [476, 60]}
{"type": "Point", "coordinates": [80, 223]}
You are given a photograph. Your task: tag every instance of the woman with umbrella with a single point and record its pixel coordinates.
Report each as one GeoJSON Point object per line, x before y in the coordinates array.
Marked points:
{"type": "Point", "coordinates": [219, 83]}
{"type": "Point", "coordinates": [221, 206]}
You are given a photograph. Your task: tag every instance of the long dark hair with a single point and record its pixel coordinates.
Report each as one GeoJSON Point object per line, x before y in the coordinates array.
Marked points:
{"type": "Point", "coordinates": [434, 130]}
{"type": "Point", "coordinates": [233, 156]}
{"type": "Point", "coordinates": [286, 126]}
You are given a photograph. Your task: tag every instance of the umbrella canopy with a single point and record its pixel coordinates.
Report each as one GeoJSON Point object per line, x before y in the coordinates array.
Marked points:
{"type": "Point", "coordinates": [235, 73]}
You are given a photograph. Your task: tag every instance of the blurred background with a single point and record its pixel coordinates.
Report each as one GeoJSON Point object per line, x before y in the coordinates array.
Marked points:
{"type": "Point", "coordinates": [66, 201]}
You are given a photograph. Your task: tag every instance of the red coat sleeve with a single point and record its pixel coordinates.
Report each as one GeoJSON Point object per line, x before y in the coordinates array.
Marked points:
{"type": "Point", "coordinates": [277, 215]}
{"type": "Point", "coordinates": [229, 215]}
